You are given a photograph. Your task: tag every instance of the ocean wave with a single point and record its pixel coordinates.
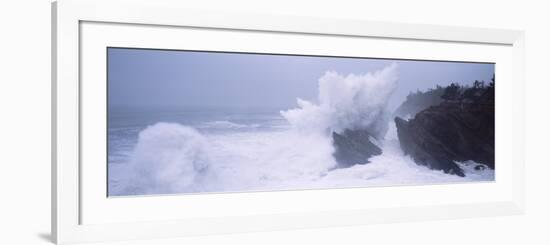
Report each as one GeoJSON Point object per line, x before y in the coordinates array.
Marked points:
{"type": "Point", "coordinates": [173, 158]}
{"type": "Point", "coordinates": [226, 125]}
{"type": "Point", "coordinates": [168, 158]}
{"type": "Point", "coordinates": [347, 102]}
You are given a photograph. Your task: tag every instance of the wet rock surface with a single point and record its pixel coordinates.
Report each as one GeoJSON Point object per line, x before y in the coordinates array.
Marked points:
{"type": "Point", "coordinates": [451, 131]}
{"type": "Point", "coordinates": [354, 147]}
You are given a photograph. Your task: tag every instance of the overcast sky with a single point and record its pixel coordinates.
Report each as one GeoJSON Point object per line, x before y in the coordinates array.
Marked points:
{"type": "Point", "coordinates": [140, 77]}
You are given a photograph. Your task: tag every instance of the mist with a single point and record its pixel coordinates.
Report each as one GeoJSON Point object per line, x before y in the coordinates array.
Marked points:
{"type": "Point", "coordinates": [143, 77]}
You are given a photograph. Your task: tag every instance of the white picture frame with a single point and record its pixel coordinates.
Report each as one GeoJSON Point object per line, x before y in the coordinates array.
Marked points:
{"type": "Point", "coordinates": [70, 198]}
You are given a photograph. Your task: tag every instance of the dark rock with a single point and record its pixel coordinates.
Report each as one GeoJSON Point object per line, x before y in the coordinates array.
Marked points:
{"type": "Point", "coordinates": [451, 131]}
{"type": "Point", "coordinates": [424, 148]}
{"type": "Point", "coordinates": [354, 147]}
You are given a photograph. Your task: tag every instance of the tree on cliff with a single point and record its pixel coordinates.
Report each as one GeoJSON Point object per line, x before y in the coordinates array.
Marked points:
{"type": "Point", "coordinates": [452, 92]}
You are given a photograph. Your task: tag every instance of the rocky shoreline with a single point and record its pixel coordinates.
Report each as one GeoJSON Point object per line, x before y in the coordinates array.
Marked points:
{"type": "Point", "coordinates": [460, 128]}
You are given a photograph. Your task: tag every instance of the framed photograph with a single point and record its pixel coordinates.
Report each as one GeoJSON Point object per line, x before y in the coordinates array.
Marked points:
{"type": "Point", "coordinates": [173, 122]}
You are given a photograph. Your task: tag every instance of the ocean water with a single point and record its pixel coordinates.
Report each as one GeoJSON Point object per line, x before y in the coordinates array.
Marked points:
{"type": "Point", "coordinates": [190, 150]}
{"type": "Point", "coordinates": [126, 122]}
{"type": "Point", "coordinates": [160, 130]}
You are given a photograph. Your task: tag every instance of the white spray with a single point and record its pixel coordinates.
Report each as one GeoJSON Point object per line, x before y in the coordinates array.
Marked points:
{"type": "Point", "coordinates": [347, 102]}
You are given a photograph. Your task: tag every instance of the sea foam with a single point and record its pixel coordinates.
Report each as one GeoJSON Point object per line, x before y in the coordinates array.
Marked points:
{"type": "Point", "coordinates": [347, 102]}
{"type": "Point", "coordinates": [168, 157]}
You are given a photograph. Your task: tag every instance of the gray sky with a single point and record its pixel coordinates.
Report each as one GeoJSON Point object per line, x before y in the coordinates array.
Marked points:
{"type": "Point", "coordinates": [141, 77]}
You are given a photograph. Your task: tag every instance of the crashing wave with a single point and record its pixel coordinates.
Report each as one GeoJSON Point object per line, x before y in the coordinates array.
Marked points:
{"type": "Point", "coordinates": [168, 157]}
{"type": "Point", "coordinates": [347, 102]}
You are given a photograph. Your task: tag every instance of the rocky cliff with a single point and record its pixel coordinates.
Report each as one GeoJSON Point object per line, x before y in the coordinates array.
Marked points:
{"type": "Point", "coordinates": [457, 126]}
{"type": "Point", "coordinates": [459, 129]}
